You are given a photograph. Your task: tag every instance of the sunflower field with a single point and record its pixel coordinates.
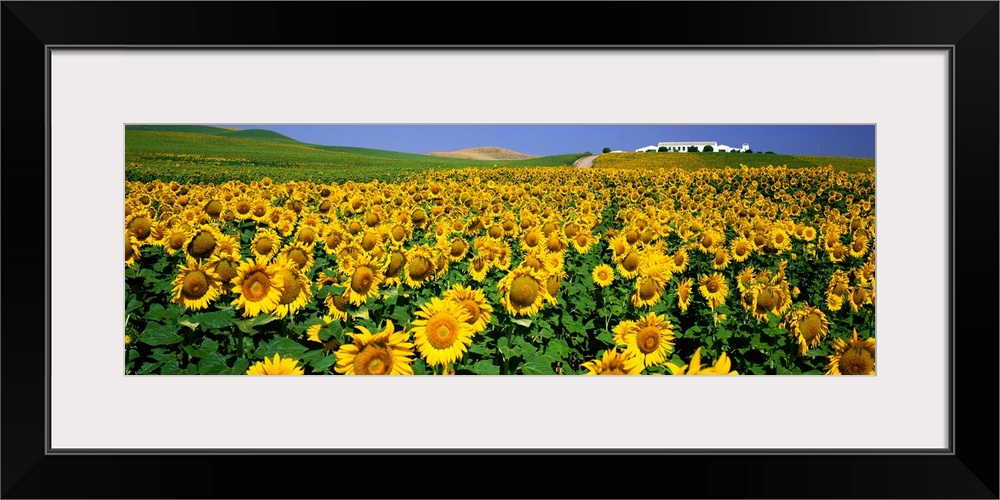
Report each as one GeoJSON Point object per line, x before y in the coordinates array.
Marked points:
{"type": "Point", "coordinates": [529, 271]}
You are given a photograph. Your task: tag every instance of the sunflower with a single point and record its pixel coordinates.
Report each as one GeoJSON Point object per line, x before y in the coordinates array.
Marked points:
{"type": "Point", "coordinates": [583, 241]}
{"type": "Point", "coordinates": [384, 353]}
{"type": "Point", "coordinates": [174, 238]}
{"type": "Point", "coordinates": [603, 275]}
{"type": "Point", "coordinates": [257, 286]}
{"type": "Point", "coordinates": [419, 266]}
{"type": "Point", "coordinates": [614, 363]}
{"type": "Point", "coordinates": [854, 357]}
{"type": "Point", "coordinates": [763, 298]}
{"type": "Point", "coordinates": [684, 293]}
{"type": "Point", "coordinates": [241, 207]}
{"type": "Point", "coordinates": [858, 296]}
{"type": "Point", "coordinates": [227, 247]}
{"type": "Point", "coordinates": [709, 241]}
{"type": "Point", "coordinates": [265, 244]}
{"type": "Point", "coordinates": [443, 333]}
{"type": "Point", "coordinates": [478, 267]}
{"type": "Point", "coordinates": [307, 235]}
{"type": "Point", "coordinates": [131, 249]}
{"type": "Point", "coordinates": [523, 291]}
{"type": "Point", "coordinates": [838, 252]}
{"type": "Point", "coordinates": [140, 224]}
{"type": "Point", "coordinates": [337, 305]}
{"type": "Point", "coordinates": [279, 366]}
{"type": "Point", "coordinates": [260, 210]}
{"type": "Point", "coordinates": [679, 260]}
{"type": "Point", "coordinates": [740, 248]}
{"type": "Point", "coordinates": [531, 239]}
{"type": "Point", "coordinates": [364, 277]}
{"type": "Point", "coordinates": [859, 245]}
{"type": "Point", "coordinates": [300, 254]}
{"type": "Point", "coordinates": [721, 260]}
{"type": "Point", "coordinates": [333, 239]}
{"type": "Point", "coordinates": [474, 301]}
{"type": "Point", "coordinates": [225, 269]}
{"type": "Point", "coordinates": [202, 242]}
{"type": "Point", "coordinates": [745, 278]}
{"type": "Point", "coordinates": [619, 247]}
{"type": "Point", "coordinates": [714, 289]}
{"type": "Point", "coordinates": [456, 249]}
{"type": "Point", "coordinates": [695, 367]}
{"type": "Point", "coordinates": [629, 265]}
{"type": "Point", "coordinates": [809, 325]}
{"type": "Point", "coordinates": [196, 285]}
{"type": "Point", "coordinates": [780, 240]}
{"type": "Point", "coordinates": [394, 266]}
{"type": "Point", "coordinates": [647, 291]}
{"type": "Point", "coordinates": [649, 339]}
{"type": "Point", "coordinates": [295, 289]}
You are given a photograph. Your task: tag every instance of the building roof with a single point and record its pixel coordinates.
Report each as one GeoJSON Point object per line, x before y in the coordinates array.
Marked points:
{"type": "Point", "coordinates": [690, 143]}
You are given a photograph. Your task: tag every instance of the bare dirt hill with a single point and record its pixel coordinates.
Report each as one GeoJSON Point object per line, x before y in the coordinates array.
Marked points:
{"type": "Point", "coordinates": [484, 153]}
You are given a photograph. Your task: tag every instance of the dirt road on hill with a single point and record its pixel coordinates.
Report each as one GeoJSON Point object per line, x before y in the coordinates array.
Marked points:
{"type": "Point", "coordinates": [585, 162]}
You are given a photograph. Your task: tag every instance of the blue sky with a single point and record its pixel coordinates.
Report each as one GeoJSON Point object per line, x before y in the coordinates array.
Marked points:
{"type": "Point", "coordinates": [828, 140]}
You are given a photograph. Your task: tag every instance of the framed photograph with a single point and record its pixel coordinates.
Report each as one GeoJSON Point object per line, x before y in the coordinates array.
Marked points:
{"type": "Point", "coordinates": [108, 137]}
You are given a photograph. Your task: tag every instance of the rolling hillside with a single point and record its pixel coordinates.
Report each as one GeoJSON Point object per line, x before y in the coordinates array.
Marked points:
{"type": "Point", "coordinates": [212, 154]}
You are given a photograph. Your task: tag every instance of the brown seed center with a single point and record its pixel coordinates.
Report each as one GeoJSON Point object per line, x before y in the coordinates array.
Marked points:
{"type": "Point", "coordinates": [647, 339]}
{"type": "Point", "coordinates": [523, 292]}
{"type": "Point", "coordinates": [195, 285]}
{"type": "Point", "coordinates": [856, 361]}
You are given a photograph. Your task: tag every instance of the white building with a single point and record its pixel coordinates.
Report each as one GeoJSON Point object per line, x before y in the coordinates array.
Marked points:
{"type": "Point", "coordinates": [684, 147]}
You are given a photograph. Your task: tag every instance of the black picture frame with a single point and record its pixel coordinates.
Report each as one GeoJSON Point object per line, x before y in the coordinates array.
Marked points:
{"type": "Point", "coordinates": [969, 470]}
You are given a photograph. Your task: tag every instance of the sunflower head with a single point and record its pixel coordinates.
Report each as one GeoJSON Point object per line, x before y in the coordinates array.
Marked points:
{"type": "Point", "coordinates": [603, 275]}
{"type": "Point", "coordinates": [696, 367]}
{"type": "Point", "coordinates": [196, 285]}
{"type": "Point", "coordinates": [474, 302]}
{"type": "Point", "coordinates": [257, 286]}
{"type": "Point", "coordinates": [809, 325]}
{"type": "Point", "coordinates": [279, 366]}
{"type": "Point", "coordinates": [714, 289]}
{"type": "Point", "coordinates": [383, 353]}
{"type": "Point", "coordinates": [443, 333]}
{"type": "Point", "coordinates": [650, 338]}
{"type": "Point", "coordinates": [523, 291]}
{"type": "Point", "coordinates": [854, 357]}
{"type": "Point", "coordinates": [614, 362]}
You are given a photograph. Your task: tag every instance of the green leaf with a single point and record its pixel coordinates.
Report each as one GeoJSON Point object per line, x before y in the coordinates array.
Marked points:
{"type": "Point", "coordinates": [170, 368]}
{"type": "Point", "coordinates": [161, 335]}
{"type": "Point", "coordinates": [207, 346]}
{"type": "Point", "coordinates": [361, 313]}
{"type": "Point", "coordinates": [557, 348]}
{"type": "Point", "coordinates": [537, 365]}
{"type": "Point", "coordinates": [323, 363]}
{"type": "Point", "coordinates": [606, 337]}
{"type": "Point", "coordinates": [133, 304]}
{"type": "Point", "coordinates": [213, 364]}
{"type": "Point", "coordinates": [723, 334]}
{"type": "Point", "coordinates": [284, 346]}
{"type": "Point", "coordinates": [485, 367]}
{"type": "Point", "coordinates": [504, 348]}
{"type": "Point", "coordinates": [248, 326]}
{"type": "Point", "coordinates": [213, 320]}
{"type": "Point", "coordinates": [187, 323]}
{"type": "Point", "coordinates": [401, 315]}
{"type": "Point", "coordinates": [419, 367]}
{"type": "Point", "coordinates": [241, 366]}
{"type": "Point", "coordinates": [525, 322]}
{"type": "Point", "coordinates": [157, 312]}
{"type": "Point", "coordinates": [148, 367]}
{"type": "Point", "coordinates": [192, 369]}
{"type": "Point", "coordinates": [480, 349]}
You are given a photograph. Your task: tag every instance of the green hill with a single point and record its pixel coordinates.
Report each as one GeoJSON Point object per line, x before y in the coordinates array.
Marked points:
{"type": "Point", "coordinates": [695, 161]}
{"type": "Point", "coordinates": [212, 154]}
